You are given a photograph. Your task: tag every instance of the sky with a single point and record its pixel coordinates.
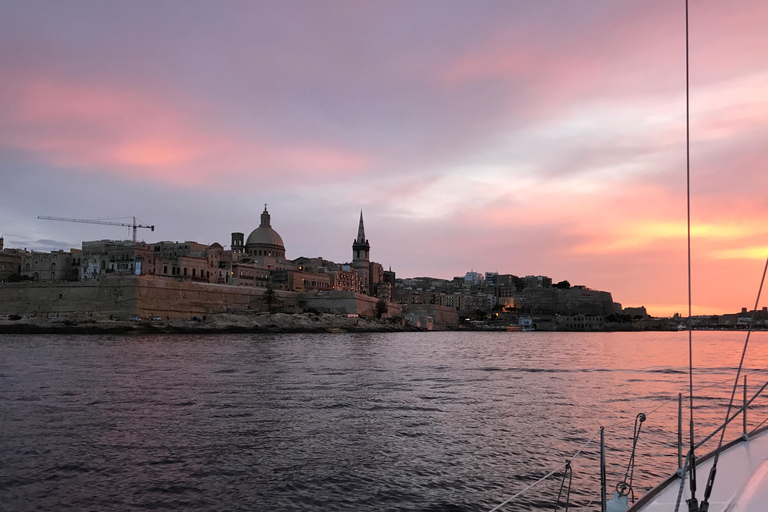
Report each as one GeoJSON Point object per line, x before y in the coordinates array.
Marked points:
{"type": "Point", "coordinates": [525, 137]}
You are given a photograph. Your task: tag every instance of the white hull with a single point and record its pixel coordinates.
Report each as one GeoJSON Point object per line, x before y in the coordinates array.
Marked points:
{"type": "Point", "coordinates": [741, 484]}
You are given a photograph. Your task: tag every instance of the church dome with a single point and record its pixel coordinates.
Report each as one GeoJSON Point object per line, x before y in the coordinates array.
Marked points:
{"type": "Point", "coordinates": [264, 236]}
{"type": "Point", "coordinates": [264, 241]}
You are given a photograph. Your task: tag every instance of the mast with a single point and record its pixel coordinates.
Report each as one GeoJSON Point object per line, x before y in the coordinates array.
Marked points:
{"type": "Point", "coordinates": [693, 504]}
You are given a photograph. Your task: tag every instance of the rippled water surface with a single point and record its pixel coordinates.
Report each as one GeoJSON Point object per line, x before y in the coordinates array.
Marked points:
{"type": "Point", "coordinates": [412, 421]}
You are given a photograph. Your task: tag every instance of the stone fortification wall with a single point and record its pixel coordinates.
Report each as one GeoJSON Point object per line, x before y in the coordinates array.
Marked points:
{"type": "Point", "coordinates": [149, 296]}
{"type": "Point", "coordinates": [169, 298]}
{"type": "Point", "coordinates": [440, 315]}
{"type": "Point", "coordinates": [346, 303]}
{"type": "Point", "coordinates": [572, 301]}
{"type": "Point", "coordinates": [113, 297]}
{"type": "Point", "coordinates": [123, 297]}
{"type": "Point", "coordinates": [577, 301]}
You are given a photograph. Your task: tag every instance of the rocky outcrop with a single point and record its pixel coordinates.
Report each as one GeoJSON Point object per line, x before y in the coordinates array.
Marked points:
{"type": "Point", "coordinates": [210, 324]}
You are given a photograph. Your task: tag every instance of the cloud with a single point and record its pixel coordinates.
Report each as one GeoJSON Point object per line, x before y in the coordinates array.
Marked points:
{"type": "Point", "coordinates": [139, 134]}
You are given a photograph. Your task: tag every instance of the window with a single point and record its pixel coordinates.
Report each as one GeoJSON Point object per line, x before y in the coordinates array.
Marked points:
{"type": "Point", "coordinates": [165, 269]}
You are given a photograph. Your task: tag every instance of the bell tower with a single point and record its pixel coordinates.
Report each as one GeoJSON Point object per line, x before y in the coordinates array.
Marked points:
{"type": "Point", "coordinates": [361, 256]}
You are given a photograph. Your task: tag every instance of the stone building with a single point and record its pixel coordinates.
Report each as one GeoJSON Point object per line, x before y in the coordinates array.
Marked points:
{"type": "Point", "coordinates": [537, 282]}
{"type": "Point", "coordinates": [120, 257]}
{"type": "Point", "coordinates": [10, 262]}
{"type": "Point", "coordinates": [580, 323]}
{"type": "Point", "coordinates": [248, 273]}
{"type": "Point", "coordinates": [52, 266]}
{"type": "Point", "coordinates": [344, 278]}
{"type": "Point", "coordinates": [299, 281]}
{"type": "Point", "coordinates": [375, 276]}
{"type": "Point", "coordinates": [188, 260]}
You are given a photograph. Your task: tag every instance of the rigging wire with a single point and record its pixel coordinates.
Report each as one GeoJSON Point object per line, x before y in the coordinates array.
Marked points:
{"type": "Point", "coordinates": [713, 470]}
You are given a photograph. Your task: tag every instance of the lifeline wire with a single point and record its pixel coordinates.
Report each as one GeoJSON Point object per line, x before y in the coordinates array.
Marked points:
{"type": "Point", "coordinates": [558, 468]}
{"type": "Point", "coordinates": [498, 507]}
{"type": "Point", "coordinates": [583, 446]}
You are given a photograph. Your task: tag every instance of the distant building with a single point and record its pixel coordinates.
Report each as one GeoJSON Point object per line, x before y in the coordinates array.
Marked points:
{"type": "Point", "coordinates": [532, 282]}
{"type": "Point", "coordinates": [121, 257]}
{"type": "Point", "coordinates": [248, 273]}
{"type": "Point", "coordinates": [581, 323]}
{"type": "Point", "coordinates": [474, 278]}
{"type": "Point", "coordinates": [10, 262]}
{"type": "Point", "coordinates": [52, 266]}
{"type": "Point", "coordinates": [299, 281]}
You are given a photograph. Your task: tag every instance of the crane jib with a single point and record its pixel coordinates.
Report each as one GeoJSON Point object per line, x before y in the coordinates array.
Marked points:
{"type": "Point", "coordinates": [132, 225]}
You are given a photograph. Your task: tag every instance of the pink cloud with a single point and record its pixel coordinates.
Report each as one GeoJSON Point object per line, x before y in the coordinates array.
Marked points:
{"type": "Point", "coordinates": [632, 50]}
{"type": "Point", "coordinates": [105, 128]}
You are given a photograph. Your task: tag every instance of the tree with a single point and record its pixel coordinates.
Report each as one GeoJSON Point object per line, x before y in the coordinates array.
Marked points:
{"type": "Point", "coordinates": [270, 298]}
{"type": "Point", "coordinates": [381, 308]}
{"type": "Point", "coordinates": [563, 285]}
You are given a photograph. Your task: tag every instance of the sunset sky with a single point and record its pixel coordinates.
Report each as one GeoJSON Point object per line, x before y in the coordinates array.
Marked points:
{"type": "Point", "coordinates": [525, 137]}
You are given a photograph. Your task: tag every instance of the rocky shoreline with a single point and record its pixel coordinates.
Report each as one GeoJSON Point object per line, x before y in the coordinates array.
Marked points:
{"type": "Point", "coordinates": [212, 324]}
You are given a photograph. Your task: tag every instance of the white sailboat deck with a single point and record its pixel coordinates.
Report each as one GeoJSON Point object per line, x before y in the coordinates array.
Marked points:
{"type": "Point", "coordinates": [741, 484]}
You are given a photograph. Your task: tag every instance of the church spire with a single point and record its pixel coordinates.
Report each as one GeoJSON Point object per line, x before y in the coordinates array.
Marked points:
{"type": "Point", "coordinates": [361, 256]}
{"type": "Point", "coordinates": [361, 230]}
{"type": "Point", "coordinates": [360, 247]}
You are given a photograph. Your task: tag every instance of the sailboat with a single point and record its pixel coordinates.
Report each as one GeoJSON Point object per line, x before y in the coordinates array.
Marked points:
{"type": "Point", "coordinates": [731, 478]}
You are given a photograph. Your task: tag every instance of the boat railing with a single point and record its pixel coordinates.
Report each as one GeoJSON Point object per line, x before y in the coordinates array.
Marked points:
{"type": "Point", "coordinates": [681, 448]}
{"type": "Point", "coordinates": [746, 433]}
{"type": "Point", "coordinates": [741, 411]}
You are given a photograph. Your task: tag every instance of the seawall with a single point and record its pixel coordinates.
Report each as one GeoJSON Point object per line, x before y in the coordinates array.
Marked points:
{"type": "Point", "coordinates": [126, 296]}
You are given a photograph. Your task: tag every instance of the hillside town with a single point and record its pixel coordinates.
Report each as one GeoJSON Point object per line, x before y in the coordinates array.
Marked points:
{"type": "Point", "coordinates": [43, 284]}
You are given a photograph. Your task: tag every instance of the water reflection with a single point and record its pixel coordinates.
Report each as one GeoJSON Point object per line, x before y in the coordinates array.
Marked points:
{"type": "Point", "coordinates": [413, 421]}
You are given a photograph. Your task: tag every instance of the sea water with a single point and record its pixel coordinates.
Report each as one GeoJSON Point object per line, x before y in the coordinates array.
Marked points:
{"type": "Point", "coordinates": [322, 422]}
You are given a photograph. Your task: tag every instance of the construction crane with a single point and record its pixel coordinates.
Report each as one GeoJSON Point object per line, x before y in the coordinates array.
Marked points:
{"type": "Point", "coordinates": [105, 222]}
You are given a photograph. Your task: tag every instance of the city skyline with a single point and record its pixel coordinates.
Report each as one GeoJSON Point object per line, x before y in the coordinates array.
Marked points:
{"type": "Point", "coordinates": [534, 139]}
